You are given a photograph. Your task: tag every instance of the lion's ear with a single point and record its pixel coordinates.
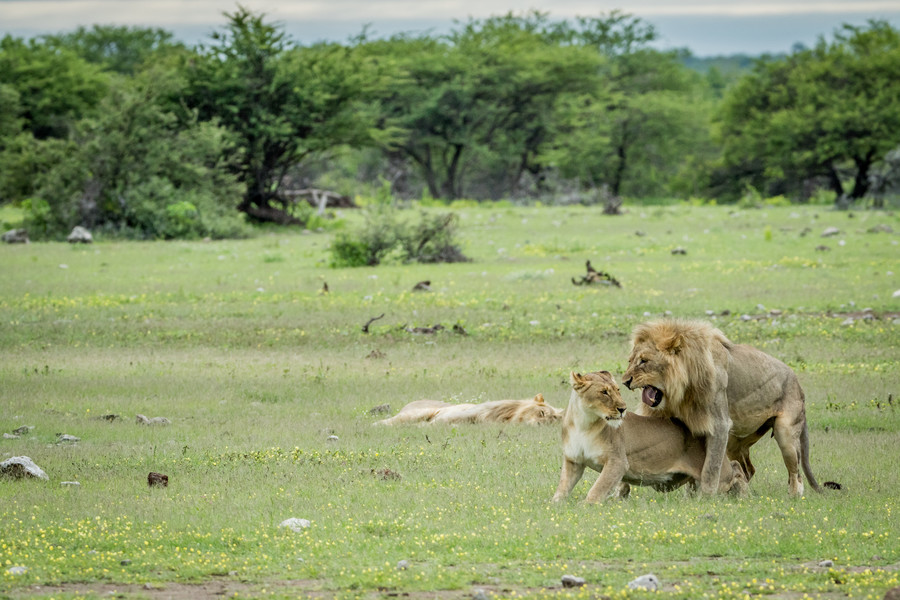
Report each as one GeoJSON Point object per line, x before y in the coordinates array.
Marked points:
{"type": "Point", "coordinates": [575, 378]}
{"type": "Point", "coordinates": [539, 399]}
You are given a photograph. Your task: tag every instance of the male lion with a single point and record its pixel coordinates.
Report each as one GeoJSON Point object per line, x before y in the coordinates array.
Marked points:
{"type": "Point", "coordinates": [730, 394]}
{"type": "Point", "coordinates": [627, 448]}
{"type": "Point", "coordinates": [532, 411]}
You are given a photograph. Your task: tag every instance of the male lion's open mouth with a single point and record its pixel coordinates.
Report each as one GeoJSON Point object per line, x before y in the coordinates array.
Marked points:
{"type": "Point", "coordinates": [651, 396]}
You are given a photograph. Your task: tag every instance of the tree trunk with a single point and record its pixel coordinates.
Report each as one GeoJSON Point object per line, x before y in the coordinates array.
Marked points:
{"type": "Point", "coordinates": [265, 212]}
{"type": "Point", "coordinates": [861, 181]}
{"type": "Point", "coordinates": [834, 181]}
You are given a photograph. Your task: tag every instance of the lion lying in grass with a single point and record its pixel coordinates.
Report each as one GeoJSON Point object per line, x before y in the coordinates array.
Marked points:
{"type": "Point", "coordinates": [730, 394]}
{"type": "Point", "coordinates": [532, 411]}
{"type": "Point", "coordinates": [626, 448]}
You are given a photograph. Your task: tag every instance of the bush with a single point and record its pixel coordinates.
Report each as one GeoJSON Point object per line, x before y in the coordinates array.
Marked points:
{"type": "Point", "coordinates": [136, 171]}
{"type": "Point", "coordinates": [386, 238]}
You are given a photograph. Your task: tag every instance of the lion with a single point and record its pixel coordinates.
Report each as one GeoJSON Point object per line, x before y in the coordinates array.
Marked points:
{"type": "Point", "coordinates": [532, 411]}
{"type": "Point", "coordinates": [627, 448]}
{"type": "Point", "coordinates": [730, 394]}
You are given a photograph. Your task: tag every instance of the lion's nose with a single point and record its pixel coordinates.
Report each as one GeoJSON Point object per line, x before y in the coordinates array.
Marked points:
{"type": "Point", "coordinates": [627, 382]}
{"type": "Point", "coordinates": [621, 411]}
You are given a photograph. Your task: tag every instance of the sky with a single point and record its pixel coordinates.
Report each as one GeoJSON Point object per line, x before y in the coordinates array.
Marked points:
{"type": "Point", "coordinates": [705, 27]}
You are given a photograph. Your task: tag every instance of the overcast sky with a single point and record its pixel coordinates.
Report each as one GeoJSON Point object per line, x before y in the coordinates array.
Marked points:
{"type": "Point", "coordinates": [706, 27]}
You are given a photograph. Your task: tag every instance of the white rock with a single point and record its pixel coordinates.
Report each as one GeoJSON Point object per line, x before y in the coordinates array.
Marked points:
{"type": "Point", "coordinates": [645, 582]}
{"type": "Point", "coordinates": [479, 594]}
{"type": "Point", "coordinates": [17, 570]}
{"type": "Point", "coordinates": [80, 235]}
{"type": "Point", "coordinates": [830, 231]}
{"type": "Point", "coordinates": [295, 524]}
{"type": "Point", "coordinates": [896, 294]}
{"type": "Point", "coordinates": [65, 438]}
{"type": "Point", "coordinates": [403, 565]}
{"type": "Point", "coordinates": [826, 563]}
{"type": "Point", "coordinates": [70, 483]}
{"type": "Point", "coordinates": [571, 581]}
{"type": "Point", "coordinates": [21, 466]}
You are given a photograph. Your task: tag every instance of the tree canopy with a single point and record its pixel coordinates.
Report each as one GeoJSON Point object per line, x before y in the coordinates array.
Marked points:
{"type": "Point", "coordinates": [128, 130]}
{"type": "Point", "coordinates": [827, 113]}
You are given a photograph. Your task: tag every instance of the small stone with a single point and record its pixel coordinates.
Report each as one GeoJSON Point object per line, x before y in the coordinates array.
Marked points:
{"type": "Point", "coordinates": [17, 570]}
{"type": "Point", "coordinates": [10, 436]}
{"type": "Point", "coordinates": [645, 582]}
{"type": "Point", "coordinates": [403, 565]}
{"type": "Point", "coordinates": [896, 294]}
{"type": "Point", "coordinates": [19, 467]}
{"type": "Point", "coordinates": [70, 483]}
{"type": "Point", "coordinates": [479, 594]}
{"type": "Point", "coordinates": [157, 480]}
{"type": "Point", "coordinates": [15, 236]}
{"type": "Point", "coordinates": [125, 562]}
{"type": "Point", "coordinates": [23, 430]}
{"type": "Point", "coordinates": [332, 438]}
{"type": "Point", "coordinates": [571, 581]}
{"type": "Point", "coordinates": [295, 524]}
{"type": "Point", "coordinates": [830, 231]}
{"type": "Point", "coordinates": [679, 250]}
{"type": "Point", "coordinates": [848, 321]}
{"type": "Point", "coordinates": [380, 409]}
{"type": "Point", "coordinates": [826, 563]}
{"type": "Point", "coordinates": [892, 594]}
{"type": "Point", "coordinates": [386, 474]}
{"type": "Point", "coordinates": [65, 438]}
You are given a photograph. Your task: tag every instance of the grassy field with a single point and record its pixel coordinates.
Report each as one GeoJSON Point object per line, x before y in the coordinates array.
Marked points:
{"type": "Point", "coordinates": [268, 383]}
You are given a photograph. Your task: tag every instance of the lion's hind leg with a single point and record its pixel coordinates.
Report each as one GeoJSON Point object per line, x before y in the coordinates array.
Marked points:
{"type": "Point", "coordinates": [788, 430]}
{"type": "Point", "coordinates": [739, 486]}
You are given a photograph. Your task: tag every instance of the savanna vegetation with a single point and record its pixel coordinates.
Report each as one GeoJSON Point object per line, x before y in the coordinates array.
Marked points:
{"type": "Point", "coordinates": [132, 134]}
{"type": "Point", "coordinates": [268, 381]}
{"type": "Point", "coordinates": [483, 163]}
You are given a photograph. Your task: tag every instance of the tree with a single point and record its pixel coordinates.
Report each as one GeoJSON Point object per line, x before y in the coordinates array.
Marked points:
{"type": "Point", "coordinates": [474, 105]}
{"type": "Point", "coordinates": [285, 103]}
{"type": "Point", "coordinates": [121, 49]}
{"type": "Point", "coordinates": [649, 115]}
{"type": "Point", "coordinates": [55, 86]}
{"type": "Point", "coordinates": [816, 114]}
{"type": "Point", "coordinates": [135, 169]}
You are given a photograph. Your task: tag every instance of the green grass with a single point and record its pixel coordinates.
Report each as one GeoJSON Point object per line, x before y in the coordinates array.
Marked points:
{"type": "Point", "coordinates": [256, 368]}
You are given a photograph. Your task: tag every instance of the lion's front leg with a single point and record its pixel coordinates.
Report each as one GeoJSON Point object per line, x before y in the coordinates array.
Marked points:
{"type": "Point", "coordinates": [609, 480]}
{"type": "Point", "coordinates": [716, 444]}
{"type": "Point", "coordinates": [571, 474]}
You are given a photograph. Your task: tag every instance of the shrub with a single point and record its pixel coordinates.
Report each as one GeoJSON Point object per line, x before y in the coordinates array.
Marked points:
{"type": "Point", "coordinates": [386, 238]}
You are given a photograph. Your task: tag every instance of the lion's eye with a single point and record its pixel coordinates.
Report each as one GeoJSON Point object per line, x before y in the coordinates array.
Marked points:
{"type": "Point", "coordinates": [642, 361]}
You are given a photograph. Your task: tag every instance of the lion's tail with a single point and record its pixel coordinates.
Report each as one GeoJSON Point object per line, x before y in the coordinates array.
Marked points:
{"type": "Point", "coordinates": [804, 458]}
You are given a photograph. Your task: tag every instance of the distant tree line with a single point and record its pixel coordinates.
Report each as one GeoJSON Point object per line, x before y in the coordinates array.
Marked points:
{"type": "Point", "coordinates": [128, 131]}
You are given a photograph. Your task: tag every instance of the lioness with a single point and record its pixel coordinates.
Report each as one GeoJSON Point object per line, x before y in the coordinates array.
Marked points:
{"type": "Point", "coordinates": [624, 447]}
{"type": "Point", "coordinates": [532, 411]}
{"type": "Point", "coordinates": [731, 394]}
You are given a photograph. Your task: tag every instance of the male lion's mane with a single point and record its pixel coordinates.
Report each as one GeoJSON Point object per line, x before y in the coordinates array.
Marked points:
{"type": "Point", "coordinates": [690, 378]}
